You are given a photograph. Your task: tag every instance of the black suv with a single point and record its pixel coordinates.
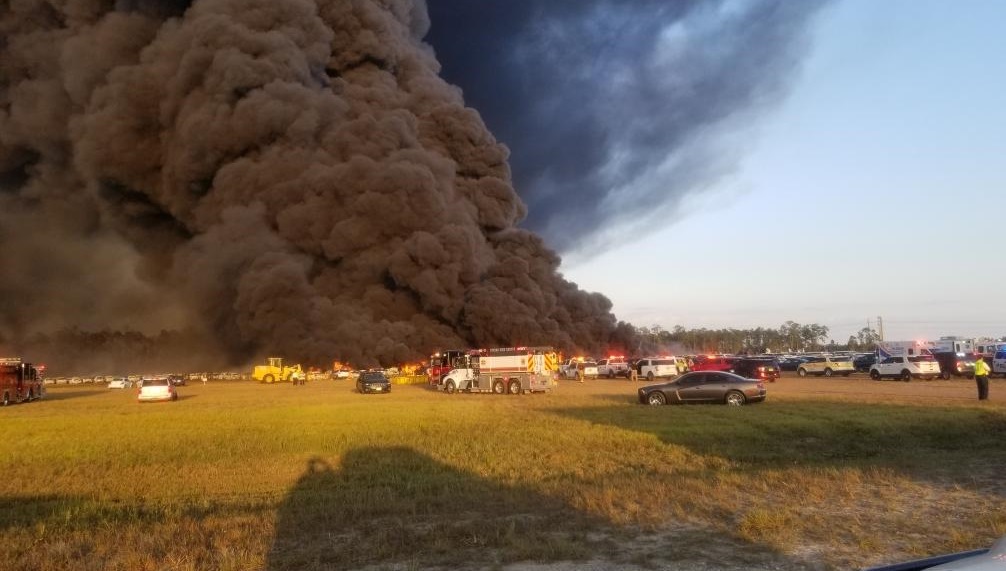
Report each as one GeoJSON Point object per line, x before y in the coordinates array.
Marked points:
{"type": "Point", "coordinates": [864, 362]}
{"type": "Point", "coordinates": [761, 368]}
{"type": "Point", "coordinates": [176, 380]}
{"type": "Point", "coordinates": [954, 364]}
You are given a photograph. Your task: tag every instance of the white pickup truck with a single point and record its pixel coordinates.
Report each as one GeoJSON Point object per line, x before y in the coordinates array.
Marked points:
{"type": "Point", "coordinates": [906, 368]}
{"type": "Point", "coordinates": [612, 368]}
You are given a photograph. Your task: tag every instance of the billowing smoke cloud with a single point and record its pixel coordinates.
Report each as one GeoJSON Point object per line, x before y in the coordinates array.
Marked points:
{"type": "Point", "coordinates": [288, 177]}
{"type": "Point", "coordinates": [612, 108]}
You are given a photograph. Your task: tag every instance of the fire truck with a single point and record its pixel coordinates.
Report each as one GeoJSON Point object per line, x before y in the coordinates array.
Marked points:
{"type": "Point", "coordinates": [19, 381]}
{"type": "Point", "coordinates": [505, 370]}
{"type": "Point", "coordinates": [441, 363]}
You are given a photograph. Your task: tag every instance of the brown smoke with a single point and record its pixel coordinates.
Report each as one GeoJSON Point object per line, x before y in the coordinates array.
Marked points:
{"type": "Point", "coordinates": [288, 177]}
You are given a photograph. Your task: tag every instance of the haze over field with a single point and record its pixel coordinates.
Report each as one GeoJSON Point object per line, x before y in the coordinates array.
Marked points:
{"type": "Point", "coordinates": [296, 178]}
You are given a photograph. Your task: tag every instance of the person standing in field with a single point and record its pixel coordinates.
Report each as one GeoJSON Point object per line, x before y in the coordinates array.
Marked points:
{"type": "Point", "coordinates": [633, 372]}
{"type": "Point", "coordinates": [579, 372]}
{"type": "Point", "coordinates": [982, 378]}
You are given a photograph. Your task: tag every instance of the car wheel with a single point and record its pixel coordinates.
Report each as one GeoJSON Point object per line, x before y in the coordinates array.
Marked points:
{"type": "Point", "coordinates": [268, 379]}
{"type": "Point", "coordinates": [649, 376]}
{"type": "Point", "coordinates": [875, 374]}
{"type": "Point", "coordinates": [945, 375]}
{"type": "Point", "coordinates": [514, 387]}
{"type": "Point", "coordinates": [735, 398]}
{"type": "Point", "coordinates": [828, 372]}
{"type": "Point", "coordinates": [498, 388]}
{"type": "Point", "coordinates": [846, 374]}
{"type": "Point", "coordinates": [802, 372]}
{"type": "Point", "coordinates": [656, 398]}
{"type": "Point", "coordinates": [906, 375]}
{"type": "Point", "coordinates": [450, 388]}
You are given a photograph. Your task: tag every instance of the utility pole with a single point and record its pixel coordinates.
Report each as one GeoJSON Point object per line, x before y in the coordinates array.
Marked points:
{"type": "Point", "coordinates": [880, 327]}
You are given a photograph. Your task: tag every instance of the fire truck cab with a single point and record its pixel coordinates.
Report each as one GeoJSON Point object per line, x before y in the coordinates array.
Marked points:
{"type": "Point", "coordinates": [507, 370]}
{"type": "Point", "coordinates": [19, 381]}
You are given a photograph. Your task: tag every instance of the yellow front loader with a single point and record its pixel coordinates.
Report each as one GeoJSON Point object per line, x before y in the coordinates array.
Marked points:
{"type": "Point", "coordinates": [276, 372]}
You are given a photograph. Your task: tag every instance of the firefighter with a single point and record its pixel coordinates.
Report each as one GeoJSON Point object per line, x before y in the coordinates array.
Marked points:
{"type": "Point", "coordinates": [633, 373]}
{"type": "Point", "coordinates": [579, 372]}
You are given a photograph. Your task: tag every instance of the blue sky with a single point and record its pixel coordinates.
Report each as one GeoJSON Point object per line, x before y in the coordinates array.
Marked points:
{"type": "Point", "coordinates": [873, 189]}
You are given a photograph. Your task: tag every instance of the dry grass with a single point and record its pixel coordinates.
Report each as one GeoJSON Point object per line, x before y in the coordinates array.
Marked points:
{"type": "Point", "coordinates": [246, 476]}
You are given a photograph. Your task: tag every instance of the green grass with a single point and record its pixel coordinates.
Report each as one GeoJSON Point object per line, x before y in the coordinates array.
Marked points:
{"type": "Point", "coordinates": [247, 476]}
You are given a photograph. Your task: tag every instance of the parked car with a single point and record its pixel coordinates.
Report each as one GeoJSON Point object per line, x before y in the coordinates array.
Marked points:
{"type": "Point", "coordinates": [704, 387]}
{"type": "Point", "coordinates": [589, 369]}
{"type": "Point", "coordinates": [763, 368]}
{"type": "Point", "coordinates": [712, 363]}
{"type": "Point", "coordinates": [156, 389]}
{"type": "Point", "coordinates": [955, 364]}
{"type": "Point", "coordinates": [612, 367]}
{"type": "Point", "coordinates": [826, 366]}
{"type": "Point", "coordinates": [653, 368]}
{"type": "Point", "coordinates": [177, 380]}
{"type": "Point", "coordinates": [373, 382]}
{"type": "Point", "coordinates": [119, 383]}
{"type": "Point", "coordinates": [864, 361]}
{"type": "Point", "coordinates": [790, 363]}
{"type": "Point", "coordinates": [906, 368]}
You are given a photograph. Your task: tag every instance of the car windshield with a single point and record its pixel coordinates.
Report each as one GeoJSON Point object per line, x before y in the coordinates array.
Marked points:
{"type": "Point", "coordinates": [373, 377]}
{"type": "Point", "coordinates": [155, 382]}
{"type": "Point", "coordinates": [841, 359]}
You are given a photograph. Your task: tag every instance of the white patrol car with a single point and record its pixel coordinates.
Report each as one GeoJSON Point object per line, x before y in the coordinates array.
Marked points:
{"type": "Point", "coordinates": [906, 368]}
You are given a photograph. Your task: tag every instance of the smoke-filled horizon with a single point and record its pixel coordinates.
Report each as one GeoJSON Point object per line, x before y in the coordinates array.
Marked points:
{"type": "Point", "coordinates": [615, 111]}
{"type": "Point", "coordinates": [289, 178]}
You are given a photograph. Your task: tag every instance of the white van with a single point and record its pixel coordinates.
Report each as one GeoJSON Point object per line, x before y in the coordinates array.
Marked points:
{"type": "Point", "coordinates": [999, 362]}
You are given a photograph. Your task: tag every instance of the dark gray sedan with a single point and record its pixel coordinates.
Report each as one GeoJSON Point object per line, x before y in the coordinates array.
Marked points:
{"type": "Point", "coordinates": [373, 382]}
{"type": "Point", "coordinates": [704, 387]}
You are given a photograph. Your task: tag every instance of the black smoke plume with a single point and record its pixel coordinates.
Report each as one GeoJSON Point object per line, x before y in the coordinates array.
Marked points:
{"type": "Point", "coordinates": [616, 110]}
{"type": "Point", "coordinates": [286, 177]}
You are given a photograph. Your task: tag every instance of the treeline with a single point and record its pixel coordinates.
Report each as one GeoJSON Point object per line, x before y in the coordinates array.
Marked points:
{"type": "Point", "coordinates": [74, 352]}
{"type": "Point", "coordinates": [789, 337]}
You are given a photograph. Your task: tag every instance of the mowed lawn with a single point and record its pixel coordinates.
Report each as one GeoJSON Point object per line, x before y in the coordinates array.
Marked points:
{"type": "Point", "coordinates": [237, 475]}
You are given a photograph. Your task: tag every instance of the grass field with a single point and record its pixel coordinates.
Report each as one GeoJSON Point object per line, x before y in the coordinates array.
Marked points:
{"type": "Point", "coordinates": [245, 476]}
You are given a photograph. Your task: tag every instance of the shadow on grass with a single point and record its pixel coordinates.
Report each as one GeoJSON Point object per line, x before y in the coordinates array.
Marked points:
{"type": "Point", "coordinates": [67, 394]}
{"type": "Point", "coordinates": [395, 506]}
{"type": "Point", "coordinates": [953, 441]}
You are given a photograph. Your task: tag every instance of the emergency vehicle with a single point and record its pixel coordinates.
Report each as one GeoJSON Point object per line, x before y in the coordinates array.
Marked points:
{"type": "Point", "coordinates": [887, 349]}
{"type": "Point", "coordinates": [441, 363]}
{"type": "Point", "coordinates": [505, 370]}
{"type": "Point", "coordinates": [19, 381]}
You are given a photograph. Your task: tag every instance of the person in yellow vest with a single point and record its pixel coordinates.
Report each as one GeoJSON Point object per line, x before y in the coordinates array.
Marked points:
{"type": "Point", "coordinates": [982, 378]}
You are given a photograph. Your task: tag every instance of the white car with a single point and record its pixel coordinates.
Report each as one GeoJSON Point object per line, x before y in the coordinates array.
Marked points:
{"type": "Point", "coordinates": [342, 374]}
{"type": "Point", "coordinates": [906, 368]}
{"type": "Point", "coordinates": [157, 389]}
{"type": "Point", "coordinates": [119, 383]}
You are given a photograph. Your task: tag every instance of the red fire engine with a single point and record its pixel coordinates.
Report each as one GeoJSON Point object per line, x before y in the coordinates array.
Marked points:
{"type": "Point", "coordinates": [504, 370]}
{"type": "Point", "coordinates": [441, 363]}
{"type": "Point", "coordinates": [19, 381]}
